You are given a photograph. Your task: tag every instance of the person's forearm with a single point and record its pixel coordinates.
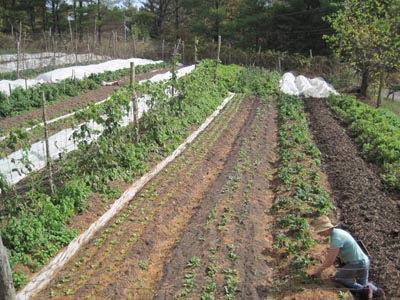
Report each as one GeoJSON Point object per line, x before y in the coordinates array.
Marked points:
{"type": "Point", "coordinates": [330, 259]}
{"type": "Point", "coordinates": [322, 267]}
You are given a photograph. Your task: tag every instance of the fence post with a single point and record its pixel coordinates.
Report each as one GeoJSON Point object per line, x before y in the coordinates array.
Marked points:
{"type": "Point", "coordinates": [196, 43]}
{"type": "Point", "coordinates": [183, 52]}
{"type": "Point", "coordinates": [19, 50]}
{"type": "Point", "coordinates": [7, 291]}
{"type": "Point", "coordinates": [46, 136]}
{"type": "Point", "coordinates": [135, 107]}
{"type": "Point", "coordinates": [218, 61]}
{"type": "Point", "coordinates": [381, 78]}
{"type": "Point", "coordinates": [133, 45]}
{"type": "Point", "coordinates": [279, 62]}
{"type": "Point", "coordinates": [162, 49]}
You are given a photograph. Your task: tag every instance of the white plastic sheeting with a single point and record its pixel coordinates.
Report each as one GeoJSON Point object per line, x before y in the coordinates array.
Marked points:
{"type": "Point", "coordinates": [28, 61]}
{"type": "Point", "coordinates": [78, 72]}
{"type": "Point", "coordinates": [303, 86]}
{"type": "Point", "coordinates": [12, 166]}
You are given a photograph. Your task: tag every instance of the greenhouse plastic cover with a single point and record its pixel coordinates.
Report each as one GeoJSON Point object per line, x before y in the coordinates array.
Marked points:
{"type": "Point", "coordinates": [303, 86]}
{"type": "Point", "coordinates": [78, 72]}
{"type": "Point", "coordinates": [12, 167]}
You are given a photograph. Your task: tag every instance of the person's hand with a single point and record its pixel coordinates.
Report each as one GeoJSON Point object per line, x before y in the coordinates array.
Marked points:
{"type": "Point", "coordinates": [315, 276]}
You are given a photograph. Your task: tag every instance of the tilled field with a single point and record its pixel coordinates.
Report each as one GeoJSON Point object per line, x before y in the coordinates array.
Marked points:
{"type": "Point", "coordinates": [202, 226]}
{"type": "Point", "coordinates": [366, 209]}
{"type": "Point", "coordinates": [208, 205]}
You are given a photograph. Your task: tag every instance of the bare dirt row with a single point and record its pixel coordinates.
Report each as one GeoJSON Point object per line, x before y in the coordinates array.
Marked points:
{"type": "Point", "coordinates": [366, 209]}
{"type": "Point", "coordinates": [143, 253]}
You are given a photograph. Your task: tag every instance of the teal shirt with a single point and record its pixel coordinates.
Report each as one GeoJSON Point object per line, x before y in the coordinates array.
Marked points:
{"type": "Point", "coordinates": [350, 251]}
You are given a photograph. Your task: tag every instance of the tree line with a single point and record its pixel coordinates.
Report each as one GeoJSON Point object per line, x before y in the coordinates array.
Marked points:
{"type": "Point", "coordinates": [363, 33]}
{"type": "Point", "coordinates": [291, 25]}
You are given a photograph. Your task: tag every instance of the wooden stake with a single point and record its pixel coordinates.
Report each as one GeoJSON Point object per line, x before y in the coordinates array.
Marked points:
{"type": "Point", "coordinates": [46, 137]}
{"type": "Point", "coordinates": [218, 61]}
{"type": "Point", "coordinates": [279, 62]}
{"type": "Point", "coordinates": [133, 45]}
{"type": "Point", "coordinates": [7, 291]}
{"type": "Point", "coordinates": [18, 58]}
{"type": "Point", "coordinates": [381, 77]}
{"type": "Point", "coordinates": [19, 50]}
{"type": "Point", "coordinates": [196, 43]}
{"type": "Point", "coordinates": [183, 52]}
{"type": "Point", "coordinates": [162, 49]}
{"type": "Point", "coordinates": [132, 77]}
{"type": "Point", "coordinates": [135, 107]}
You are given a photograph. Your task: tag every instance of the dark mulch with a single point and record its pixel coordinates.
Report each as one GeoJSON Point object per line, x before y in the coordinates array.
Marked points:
{"type": "Point", "coordinates": [368, 210]}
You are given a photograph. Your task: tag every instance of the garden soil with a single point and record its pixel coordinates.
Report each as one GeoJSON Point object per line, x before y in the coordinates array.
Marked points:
{"type": "Point", "coordinates": [366, 209]}
{"type": "Point", "coordinates": [206, 218]}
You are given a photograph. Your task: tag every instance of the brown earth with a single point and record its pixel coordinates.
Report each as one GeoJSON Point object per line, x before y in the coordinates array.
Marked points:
{"type": "Point", "coordinates": [195, 209]}
{"type": "Point", "coordinates": [208, 211]}
{"type": "Point", "coordinates": [366, 209]}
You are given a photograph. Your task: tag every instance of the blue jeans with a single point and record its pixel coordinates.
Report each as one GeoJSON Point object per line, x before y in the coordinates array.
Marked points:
{"type": "Point", "coordinates": [354, 276]}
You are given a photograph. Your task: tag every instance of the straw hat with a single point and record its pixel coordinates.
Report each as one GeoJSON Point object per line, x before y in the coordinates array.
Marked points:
{"type": "Point", "coordinates": [322, 223]}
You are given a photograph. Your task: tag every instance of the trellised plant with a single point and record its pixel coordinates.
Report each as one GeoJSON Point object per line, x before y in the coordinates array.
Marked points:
{"type": "Point", "coordinates": [22, 100]}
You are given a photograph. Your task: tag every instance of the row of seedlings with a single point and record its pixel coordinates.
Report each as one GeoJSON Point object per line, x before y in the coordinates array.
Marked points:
{"type": "Point", "coordinates": [300, 195]}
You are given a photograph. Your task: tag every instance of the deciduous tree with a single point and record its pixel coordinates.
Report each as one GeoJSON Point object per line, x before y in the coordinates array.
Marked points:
{"type": "Point", "coordinates": [367, 36]}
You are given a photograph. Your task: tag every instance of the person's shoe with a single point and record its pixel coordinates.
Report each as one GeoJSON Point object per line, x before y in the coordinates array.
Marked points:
{"type": "Point", "coordinates": [380, 294]}
{"type": "Point", "coordinates": [368, 292]}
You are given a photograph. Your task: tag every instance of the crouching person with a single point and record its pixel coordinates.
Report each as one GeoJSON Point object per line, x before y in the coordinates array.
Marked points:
{"type": "Point", "coordinates": [354, 273]}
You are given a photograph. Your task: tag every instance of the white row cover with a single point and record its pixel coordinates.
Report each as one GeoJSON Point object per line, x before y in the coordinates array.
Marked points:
{"type": "Point", "coordinates": [303, 86]}
{"type": "Point", "coordinates": [12, 166]}
{"type": "Point", "coordinates": [78, 72]}
{"type": "Point", "coordinates": [11, 57]}
{"type": "Point", "coordinates": [41, 60]}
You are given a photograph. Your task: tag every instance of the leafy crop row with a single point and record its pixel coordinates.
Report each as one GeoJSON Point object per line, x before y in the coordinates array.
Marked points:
{"type": "Point", "coordinates": [21, 100]}
{"type": "Point", "coordinates": [112, 157]}
{"type": "Point", "coordinates": [377, 131]}
{"type": "Point", "coordinates": [228, 217]}
{"type": "Point", "coordinates": [148, 204]}
{"type": "Point", "coordinates": [300, 194]}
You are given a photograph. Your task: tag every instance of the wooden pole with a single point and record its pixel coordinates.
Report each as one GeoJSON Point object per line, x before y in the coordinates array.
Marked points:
{"type": "Point", "coordinates": [95, 33]}
{"type": "Point", "coordinates": [132, 75]}
{"type": "Point", "coordinates": [196, 43]}
{"type": "Point", "coordinates": [381, 77]}
{"type": "Point", "coordinates": [162, 49]}
{"type": "Point", "coordinates": [133, 45]}
{"type": "Point", "coordinates": [19, 50]}
{"type": "Point", "coordinates": [46, 137]}
{"type": "Point", "coordinates": [183, 52]}
{"type": "Point", "coordinates": [7, 291]}
{"type": "Point", "coordinates": [135, 107]}
{"type": "Point", "coordinates": [174, 65]}
{"type": "Point", "coordinates": [18, 58]}
{"type": "Point", "coordinates": [230, 53]}
{"type": "Point", "coordinates": [218, 61]}
{"type": "Point", "coordinates": [279, 62]}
